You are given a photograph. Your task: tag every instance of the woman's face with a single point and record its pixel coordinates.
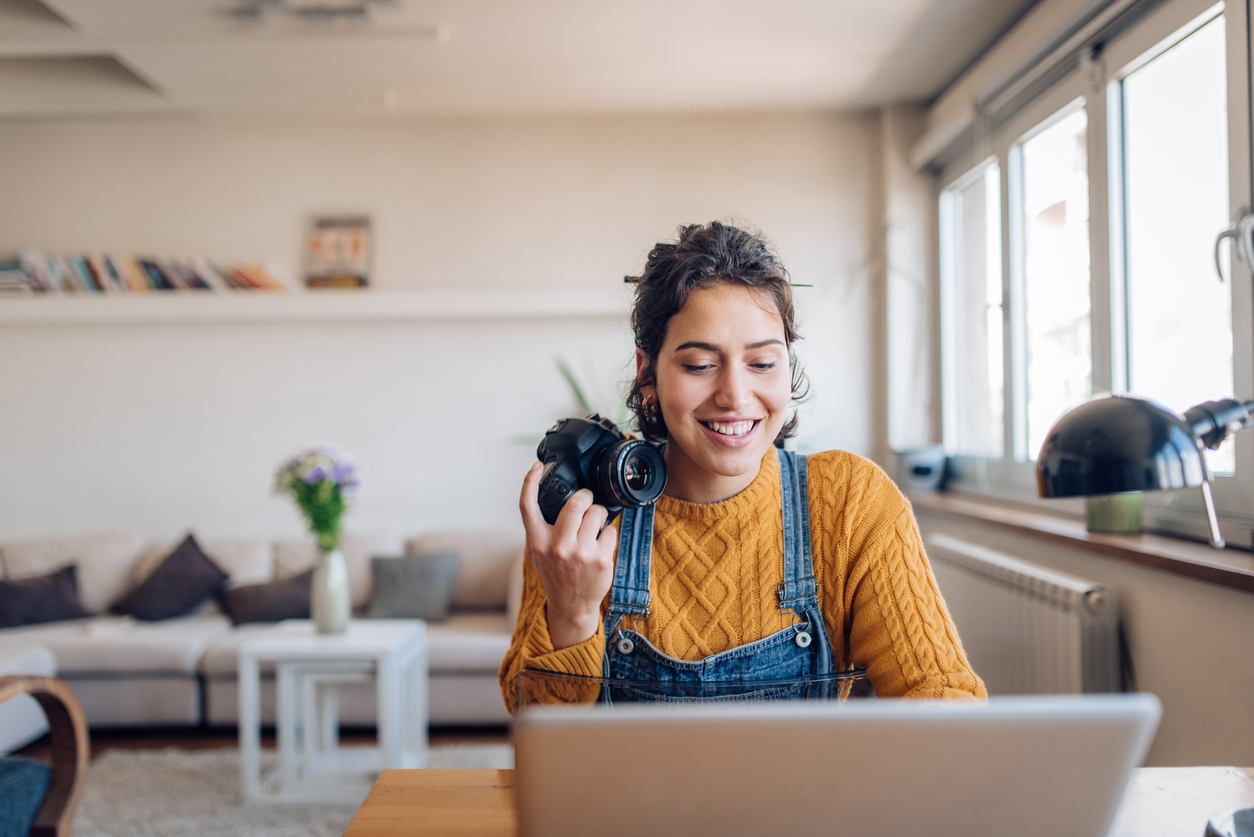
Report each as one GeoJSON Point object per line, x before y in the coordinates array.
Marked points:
{"type": "Point", "coordinates": [723, 384]}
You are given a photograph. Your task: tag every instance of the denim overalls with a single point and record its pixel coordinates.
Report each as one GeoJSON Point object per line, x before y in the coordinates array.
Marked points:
{"type": "Point", "coordinates": [796, 662]}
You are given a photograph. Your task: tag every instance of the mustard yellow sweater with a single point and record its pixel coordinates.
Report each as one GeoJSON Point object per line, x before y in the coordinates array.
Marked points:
{"type": "Point", "coordinates": [717, 567]}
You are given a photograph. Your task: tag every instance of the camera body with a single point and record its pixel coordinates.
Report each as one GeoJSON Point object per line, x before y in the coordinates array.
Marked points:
{"type": "Point", "coordinates": [592, 453]}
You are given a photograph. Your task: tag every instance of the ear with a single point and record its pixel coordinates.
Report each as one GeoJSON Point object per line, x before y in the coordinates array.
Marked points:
{"type": "Point", "coordinates": [642, 369]}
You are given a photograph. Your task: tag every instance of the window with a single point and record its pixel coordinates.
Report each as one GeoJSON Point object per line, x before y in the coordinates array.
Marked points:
{"type": "Point", "coordinates": [972, 318]}
{"type": "Point", "coordinates": [1057, 370]}
{"type": "Point", "coordinates": [1119, 177]}
{"type": "Point", "coordinates": [1175, 162]}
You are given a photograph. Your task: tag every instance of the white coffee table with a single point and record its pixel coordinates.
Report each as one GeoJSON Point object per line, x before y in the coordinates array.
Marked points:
{"type": "Point", "coordinates": [309, 667]}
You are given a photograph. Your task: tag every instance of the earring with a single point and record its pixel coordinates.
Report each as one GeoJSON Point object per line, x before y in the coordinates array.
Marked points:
{"type": "Point", "coordinates": [650, 407]}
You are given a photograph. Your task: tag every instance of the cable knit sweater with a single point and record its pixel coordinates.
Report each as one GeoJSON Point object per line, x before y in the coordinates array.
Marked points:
{"type": "Point", "coordinates": [716, 569]}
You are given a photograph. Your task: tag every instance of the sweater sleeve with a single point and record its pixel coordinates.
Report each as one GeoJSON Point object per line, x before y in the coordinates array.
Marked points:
{"type": "Point", "coordinates": [898, 624]}
{"type": "Point", "coordinates": [531, 647]}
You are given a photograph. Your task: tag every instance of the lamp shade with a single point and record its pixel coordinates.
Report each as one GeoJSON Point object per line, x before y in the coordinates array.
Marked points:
{"type": "Point", "coordinates": [1116, 443]}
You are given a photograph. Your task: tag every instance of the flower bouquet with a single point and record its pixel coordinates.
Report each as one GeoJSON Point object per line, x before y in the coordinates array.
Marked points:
{"type": "Point", "coordinates": [323, 480]}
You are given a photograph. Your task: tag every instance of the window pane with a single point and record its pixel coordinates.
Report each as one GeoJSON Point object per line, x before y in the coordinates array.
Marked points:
{"type": "Point", "coordinates": [1056, 274]}
{"type": "Point", "coordinates": [1176, 169]}
{"type": "Point", "coordinates": [973, 317]}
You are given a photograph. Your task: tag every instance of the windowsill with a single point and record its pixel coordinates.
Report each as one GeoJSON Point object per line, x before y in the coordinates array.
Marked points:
{"type": "Point", "coordinates": [1225, 567]}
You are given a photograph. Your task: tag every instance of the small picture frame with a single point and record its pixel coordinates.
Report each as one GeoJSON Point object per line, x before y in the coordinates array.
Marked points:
{"type": "Point", "coordinates": [338, 252]}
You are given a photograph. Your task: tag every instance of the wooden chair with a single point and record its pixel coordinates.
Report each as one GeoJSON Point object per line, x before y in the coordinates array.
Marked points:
{"type": "Point", "coordinates": [71, 749]}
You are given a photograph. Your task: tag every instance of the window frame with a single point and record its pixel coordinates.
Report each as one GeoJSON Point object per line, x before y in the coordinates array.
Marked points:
{"type": "Point", "coordinates": [1095, 84]}
{"type": "Point", "coordinates": [953, 387]}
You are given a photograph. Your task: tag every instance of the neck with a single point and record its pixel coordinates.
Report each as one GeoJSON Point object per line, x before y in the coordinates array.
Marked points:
{"type": "Point", "coordinates": [687, 481]}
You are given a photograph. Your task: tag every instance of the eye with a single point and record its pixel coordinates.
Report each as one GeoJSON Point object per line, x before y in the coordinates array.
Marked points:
{"type": "Point", "coordinates": [693, 367]}
{"type": "Point", "coordinates": [764, 367]}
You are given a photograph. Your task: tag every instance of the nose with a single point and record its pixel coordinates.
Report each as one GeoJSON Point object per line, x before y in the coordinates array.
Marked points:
{"type": "Point", "coordinates": [732, 392]}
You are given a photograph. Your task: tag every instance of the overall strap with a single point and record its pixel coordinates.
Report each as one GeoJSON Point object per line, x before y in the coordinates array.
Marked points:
{"type": "Point", "coordinates": [630, 592]}
{"type": "Point", "coordinates": [799, 592]}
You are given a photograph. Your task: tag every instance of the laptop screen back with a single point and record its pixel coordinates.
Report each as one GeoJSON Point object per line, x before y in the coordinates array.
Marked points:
{"type": "Point", "coordinates": [1022, 766]}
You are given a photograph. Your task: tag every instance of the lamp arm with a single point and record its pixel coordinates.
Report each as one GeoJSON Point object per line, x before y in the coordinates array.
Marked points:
{"type": "Point", "coordinates": [1214, 421]}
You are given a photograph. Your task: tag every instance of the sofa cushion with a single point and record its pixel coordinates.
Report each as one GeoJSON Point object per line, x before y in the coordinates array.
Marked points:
{"type": "Point", "coordinates": [468, 642]}
{"type": "Point", "coordinates": [24, 656]}
{"type": "Point", "coordinates": [474, 642]}
{"type": "Point", "coordinates": [185, 579]}
{"type": "Point", "coordinates": [21, 719]}
{"type": "Point", "coordinates": [485, 559]}
{"type": "Point", "coordinates": [220, 658]}
{"type": "Point", "coordinates": [413, 586]}
{"type": "Point", "coordinates": [245, 561]}
{"type": "Point", "coordinates": [295, 557]}
{"type": "Point", "coordinates": [121, 644]}
{"type": "Point", "coordinates": [44, 598]}
{"type": "Point", "coordinates": [273, 601]}
{"type": "Point", "coordinates": [105, 562]}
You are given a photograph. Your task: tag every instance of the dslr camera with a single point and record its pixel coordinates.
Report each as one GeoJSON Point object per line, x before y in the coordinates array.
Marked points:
{"type": "Point", "coordinates": [592, 453]}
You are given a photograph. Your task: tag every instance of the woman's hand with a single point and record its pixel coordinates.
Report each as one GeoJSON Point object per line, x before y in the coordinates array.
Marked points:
{"type": "Point", "coordinates": [574, 557]}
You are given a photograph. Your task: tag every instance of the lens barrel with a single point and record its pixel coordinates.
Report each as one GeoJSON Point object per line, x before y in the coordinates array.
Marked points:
{"type": "Point", "coordinates": [631, 471]}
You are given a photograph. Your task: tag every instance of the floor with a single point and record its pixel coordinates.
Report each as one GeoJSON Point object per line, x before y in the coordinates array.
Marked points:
{"type": "Point", "coordinates": [203, 738]}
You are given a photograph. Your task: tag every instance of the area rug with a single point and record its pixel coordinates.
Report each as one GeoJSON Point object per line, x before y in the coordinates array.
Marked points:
{"type": "Point", "coordinates": [171, 792]}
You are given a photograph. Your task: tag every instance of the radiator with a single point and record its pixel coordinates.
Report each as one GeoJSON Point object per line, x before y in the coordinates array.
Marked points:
{"type": "Point", "coordinates": [1028, 630]}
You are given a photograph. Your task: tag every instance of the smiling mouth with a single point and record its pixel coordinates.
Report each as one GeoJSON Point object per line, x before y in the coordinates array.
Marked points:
{"type": "Point", "coordinates": [732, 428]}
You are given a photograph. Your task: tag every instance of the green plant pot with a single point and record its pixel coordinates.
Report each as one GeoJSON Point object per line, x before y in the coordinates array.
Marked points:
{"type": "Point", "coordinates": [1114, 513]}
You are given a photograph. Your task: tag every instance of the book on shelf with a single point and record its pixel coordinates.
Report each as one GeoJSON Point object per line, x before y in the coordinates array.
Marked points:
{"type": "Point", "coordinates": [34, 271]}
{"type": "Point", "coordinates": [13, 279]}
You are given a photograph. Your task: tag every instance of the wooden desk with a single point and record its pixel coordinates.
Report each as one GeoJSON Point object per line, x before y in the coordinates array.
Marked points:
{"type": "Point", "coordinates": [438, 803]}
{"type": "Point", "coordinates": [1162, 802]}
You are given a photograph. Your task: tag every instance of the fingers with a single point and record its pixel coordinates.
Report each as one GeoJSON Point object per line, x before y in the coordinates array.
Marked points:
{"type": "Point", "coordinates": [607, 540]}
{"type": "Point", "coordinates": [570, 518]}
{"type": "Point", "coordinates": [590, 526]}
{"type": "Point", "coordinates": [529, 500]}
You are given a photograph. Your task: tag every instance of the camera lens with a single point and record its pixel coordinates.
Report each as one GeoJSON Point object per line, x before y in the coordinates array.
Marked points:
{"type": "Point", "coordinates": [632, 472]}
{"type": "Point", "coordinates": [637, 473]}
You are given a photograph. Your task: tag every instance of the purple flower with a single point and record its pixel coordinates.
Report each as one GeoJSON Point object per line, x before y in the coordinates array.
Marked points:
{"type": "Point", "coordinates": [315, 464]}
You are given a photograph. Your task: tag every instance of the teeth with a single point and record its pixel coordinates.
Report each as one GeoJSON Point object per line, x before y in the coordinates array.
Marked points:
{"type": "Point", "coordinates": [735, 428]}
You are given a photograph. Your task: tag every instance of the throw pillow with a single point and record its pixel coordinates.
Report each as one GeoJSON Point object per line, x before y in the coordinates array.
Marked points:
{"type": "Point", "coordinates": [413, 586]}
{"type": "Point", "coordinates": [273, 601]}
{"type": "Point", "coordinates": [186, 579]}
{"type": "Point", "coordinates": [46, 598]}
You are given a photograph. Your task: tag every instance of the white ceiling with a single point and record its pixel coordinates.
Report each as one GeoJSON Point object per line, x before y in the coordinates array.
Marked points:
{"type": "Point", "coordinates": [83, 57]}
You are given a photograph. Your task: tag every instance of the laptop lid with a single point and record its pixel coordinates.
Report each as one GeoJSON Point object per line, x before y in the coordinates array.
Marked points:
{"type": "Point", "coordinates": [1017, 765]}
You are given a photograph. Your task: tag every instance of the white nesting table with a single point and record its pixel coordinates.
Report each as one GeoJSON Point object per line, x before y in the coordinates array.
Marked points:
{"type": "Point", "coordinates": [309, 667]}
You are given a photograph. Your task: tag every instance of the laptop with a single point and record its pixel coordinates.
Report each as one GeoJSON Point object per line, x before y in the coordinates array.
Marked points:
{"type": "Point", "coordinates": [1020, 766]}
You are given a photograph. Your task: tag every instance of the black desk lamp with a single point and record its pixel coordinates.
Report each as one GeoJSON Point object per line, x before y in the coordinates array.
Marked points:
{"type": "Point", "coordinates": [1117, 443]}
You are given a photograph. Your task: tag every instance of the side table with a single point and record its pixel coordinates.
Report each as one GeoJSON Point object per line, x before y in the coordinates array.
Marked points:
{"type": "Point", "coordinates": [309, 666]}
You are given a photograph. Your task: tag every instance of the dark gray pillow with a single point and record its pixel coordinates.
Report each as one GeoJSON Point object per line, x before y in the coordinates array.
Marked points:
{"type": "Point", "coordinates": [186, 579]}
{"type": "Point", "coordinates": [413, 586]}
{"type": "Point", "coordinates": [46, 598]}
{"type": "Point", "coordinates": [270, 602]}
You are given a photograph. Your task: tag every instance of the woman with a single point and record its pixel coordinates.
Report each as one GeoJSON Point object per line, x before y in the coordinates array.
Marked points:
{"type": "Point", "coordinates": [758, 565]}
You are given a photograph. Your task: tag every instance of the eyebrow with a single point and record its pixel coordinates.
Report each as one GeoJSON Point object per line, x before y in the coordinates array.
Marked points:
{"type": "Point", "coordinates": [710, 347]}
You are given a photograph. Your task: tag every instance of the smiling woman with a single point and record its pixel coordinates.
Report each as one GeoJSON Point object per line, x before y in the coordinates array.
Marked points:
{"type": "Point", "coordinates": [759, 565]}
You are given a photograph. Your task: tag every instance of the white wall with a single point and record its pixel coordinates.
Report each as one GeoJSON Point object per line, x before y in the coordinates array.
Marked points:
{"type": "Point", "coordinates": [161, 427]}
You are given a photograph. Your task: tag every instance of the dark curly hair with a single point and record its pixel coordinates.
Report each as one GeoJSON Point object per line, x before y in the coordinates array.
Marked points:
{"type": "Point", "coordinates": [705, 255]}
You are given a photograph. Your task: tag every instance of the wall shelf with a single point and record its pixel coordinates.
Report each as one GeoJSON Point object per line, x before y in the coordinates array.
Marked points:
{"type": "Point", "coordinates": [162, 308]}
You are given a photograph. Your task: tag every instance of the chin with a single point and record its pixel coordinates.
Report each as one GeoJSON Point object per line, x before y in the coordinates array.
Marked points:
{"type": "Point", "coordinates": [736, 463]}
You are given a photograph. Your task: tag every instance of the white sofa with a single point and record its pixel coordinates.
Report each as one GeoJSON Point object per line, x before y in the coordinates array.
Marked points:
{"type": "Point", "coordinates": [183, 670]}
{"type": "Point", "coordinates": [21, 719]}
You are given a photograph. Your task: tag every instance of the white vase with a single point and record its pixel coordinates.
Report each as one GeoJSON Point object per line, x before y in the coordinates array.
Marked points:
{"type": "Point", "coordinates": [330, 601]}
